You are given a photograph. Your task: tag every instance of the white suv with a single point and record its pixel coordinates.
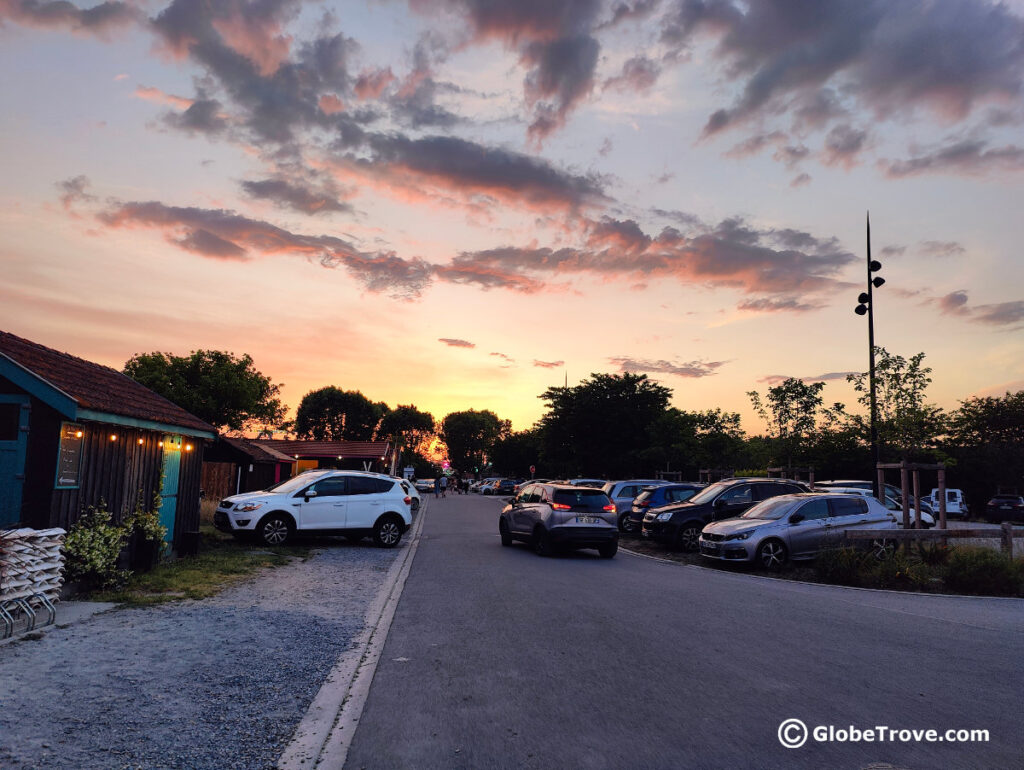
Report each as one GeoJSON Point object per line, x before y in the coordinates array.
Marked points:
{"type": "Point", "coordinates": [330, 502]}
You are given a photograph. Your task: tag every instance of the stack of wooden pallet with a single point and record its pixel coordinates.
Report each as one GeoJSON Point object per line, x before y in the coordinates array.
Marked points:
{"type": "Point", "coordinates": [31, 563]}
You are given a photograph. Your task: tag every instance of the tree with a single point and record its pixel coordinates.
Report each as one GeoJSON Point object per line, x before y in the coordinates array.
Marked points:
{"type": "Point", "coordinates": [602, 426]}
{"type": "Point", "coordinates": [470, 437]}
{"type": "Point", "coordinates": [792, 410]}
{"type": "Point", "coordinates": [905, 421]}
{"type": "Point", "coordinates": [226, 391]}
{"type": "Point", "coordinates": [986, 441]}
{"type": "Point", "coordinates": [333, 414]}
{"type": "Point", "coordinates": [407, 427]}
{"type": "Point", "coordinates": [514, 454]}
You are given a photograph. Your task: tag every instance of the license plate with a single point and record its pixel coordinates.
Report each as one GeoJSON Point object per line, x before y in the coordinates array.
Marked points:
{"type": "Point", "coordinates": [709, 548]}
{"type": "Point", "coordinates": [587, 519]}
{"type": "Point", "coordinates": [1004, 507]}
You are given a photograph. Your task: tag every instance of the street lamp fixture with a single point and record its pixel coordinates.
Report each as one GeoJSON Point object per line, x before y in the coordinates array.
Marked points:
{"type": "Point", "coordinates": [867, 307]}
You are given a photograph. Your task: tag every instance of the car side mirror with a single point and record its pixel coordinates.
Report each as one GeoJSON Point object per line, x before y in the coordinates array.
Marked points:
{"type": "Point", "coordinates": [796, 518]}
{"type": "Point", "coordinates": [310, 493]}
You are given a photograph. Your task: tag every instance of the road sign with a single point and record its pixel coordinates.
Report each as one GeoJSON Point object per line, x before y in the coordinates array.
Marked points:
{"type": "Point", "coordinates": [533, 469]}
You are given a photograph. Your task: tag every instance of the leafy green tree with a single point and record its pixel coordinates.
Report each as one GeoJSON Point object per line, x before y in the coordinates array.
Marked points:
{"type": "Point", "coordinates": [907, 424]}
{"type": "Point", "coordinates": [515, 453]}
{"type": "Point", "coordinates": [602, 426]}
{"type": "Point", "coordinates": [792, 410]}
{"type": "Point", "coordinates": [226, 391]}
{"type": "Point", "coordinates": [333, 414]}
{"type": "Point", "coordinates": [407, 427]}
{"type": "Point", "coordinates": [986, 441]}
{"type": "Point", "coordinates": [470, 437]}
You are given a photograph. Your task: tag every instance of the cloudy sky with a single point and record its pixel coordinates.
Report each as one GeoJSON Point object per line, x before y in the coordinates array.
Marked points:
{"type": "Point", "coordinates": [458, 203]}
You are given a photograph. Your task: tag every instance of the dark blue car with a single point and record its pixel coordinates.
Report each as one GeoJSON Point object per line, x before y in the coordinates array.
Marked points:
{"type": "Point", "coordinates": [655, 497]}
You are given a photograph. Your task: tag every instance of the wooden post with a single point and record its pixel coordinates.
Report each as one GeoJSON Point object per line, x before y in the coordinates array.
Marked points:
{"type": "Point", "coordinates": [942, 498]}
{"type": "Point", "coordinates": [917, 499]}
{"type": "Point", "coordinates": [905, 486]}
{"type": "Point", "coordinates": [1007, 528]}
{"type": "Point", "coordinates": [881, 485]}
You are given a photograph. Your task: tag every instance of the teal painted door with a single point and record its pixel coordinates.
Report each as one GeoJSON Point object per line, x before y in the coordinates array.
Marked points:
{"type": "Point", "coordinates": [14, 414]}
{"type": "Point", "coordinates": [169, 492]}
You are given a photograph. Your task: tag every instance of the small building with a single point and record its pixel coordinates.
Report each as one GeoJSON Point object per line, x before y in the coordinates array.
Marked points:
{"type": "Point", "coordinates": [373, 456]}
{"type": "Point", "coordinates": [234, 465]}
{"type": "Point", "coordinates": [75, 434]}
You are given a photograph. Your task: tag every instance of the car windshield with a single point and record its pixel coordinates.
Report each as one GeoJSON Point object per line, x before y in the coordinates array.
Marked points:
{"type": "Point", "coordinates": [775, 508]}
{"type": "Point", "coordinates": [294, 483]}
{"type": "Point", "coordinates": [708, 494]}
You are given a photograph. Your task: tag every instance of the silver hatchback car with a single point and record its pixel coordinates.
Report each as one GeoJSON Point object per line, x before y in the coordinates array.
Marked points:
{"type": "Point", "coordinates": [554, 516]}
{"type": "Point", "coordinates": [792, 527]}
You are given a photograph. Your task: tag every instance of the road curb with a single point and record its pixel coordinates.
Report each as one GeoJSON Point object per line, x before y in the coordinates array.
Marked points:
{"type": "Point", "coordinates": [820, 585]}
{"type": "Point", "coordinates": [325, 733]}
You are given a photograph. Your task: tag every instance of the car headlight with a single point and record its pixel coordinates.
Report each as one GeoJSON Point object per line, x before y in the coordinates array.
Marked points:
{"type": "Point", "coordinates": [665, 516]}
{"type": "Point", "coordinates": [246, 507]}
{"type": "Point", "coordinates": [740, 535]}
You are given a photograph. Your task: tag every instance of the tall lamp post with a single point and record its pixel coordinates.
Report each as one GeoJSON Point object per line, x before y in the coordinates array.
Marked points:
{"type": "Point", "coordinates": [867, 306]}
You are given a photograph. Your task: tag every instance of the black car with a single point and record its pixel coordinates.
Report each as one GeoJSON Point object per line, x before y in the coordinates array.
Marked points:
{"type": "Point", "coordinates": [680, 525]}
{"type": "Point", "coordinates": [1005, 508]}
{"type": "Point", "coordinates": [657, 497]}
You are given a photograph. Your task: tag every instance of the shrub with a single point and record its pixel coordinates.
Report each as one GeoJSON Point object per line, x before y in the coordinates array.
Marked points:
{"type": "Point", "coordinates": [933, 554]}
{"type": "Point", "coordinates": [983, 571]}
{"type": "Point", "coordinates": [840, 566]}
{"type": "Point", "coordinates": [92, 547]}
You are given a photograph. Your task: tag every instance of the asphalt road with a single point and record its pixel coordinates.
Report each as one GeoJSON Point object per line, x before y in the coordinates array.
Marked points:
{"type": "Point", "coordinates": [500, 658]}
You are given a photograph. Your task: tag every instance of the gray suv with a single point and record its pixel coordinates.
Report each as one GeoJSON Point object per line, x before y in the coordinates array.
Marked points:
{"type": "Point", "coordinates": [554, 516]}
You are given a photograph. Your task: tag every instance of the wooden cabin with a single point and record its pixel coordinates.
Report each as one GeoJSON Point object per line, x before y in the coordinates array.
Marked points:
{"type": "Point", "coordinates": [75, 434]}
{"type": "Point", "coordinates": [233, 465]}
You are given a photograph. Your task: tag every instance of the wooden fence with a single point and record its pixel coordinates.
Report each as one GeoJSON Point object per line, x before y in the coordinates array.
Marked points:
{"type": "Point", "coordinates": [219, 480]}
{"type": "Point", "coordinates": [1006, 533]}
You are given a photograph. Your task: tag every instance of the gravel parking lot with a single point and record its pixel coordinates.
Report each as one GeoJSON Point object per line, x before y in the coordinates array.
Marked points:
{"type": "Point", "coordinates": [220, 683]}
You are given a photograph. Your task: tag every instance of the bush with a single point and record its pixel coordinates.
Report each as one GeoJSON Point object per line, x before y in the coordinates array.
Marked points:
{"type": "Point", "coordinates": [983, 571]}
{"type": "Point", "coordinates": [840, 566]}
{"type": "Point", "coordinates": [92, 548]}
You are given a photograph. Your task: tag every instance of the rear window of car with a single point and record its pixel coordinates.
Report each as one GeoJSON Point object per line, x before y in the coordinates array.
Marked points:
{"type": "Point", "coordinates": [367, 485]}
{"type": "Point", "coordinates": [848, 506]}
{"type": "Point", "coordinates": [583, 498]}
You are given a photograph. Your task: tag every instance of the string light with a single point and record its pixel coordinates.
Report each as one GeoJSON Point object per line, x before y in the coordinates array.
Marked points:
{"type": "Point", "coordinates": [113, 437]}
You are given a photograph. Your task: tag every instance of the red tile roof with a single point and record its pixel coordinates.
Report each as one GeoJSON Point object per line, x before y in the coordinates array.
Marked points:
{"type": "Point", "coordinates": [97, 387]}
{"type": "Point", "coordinates": [360, 450]}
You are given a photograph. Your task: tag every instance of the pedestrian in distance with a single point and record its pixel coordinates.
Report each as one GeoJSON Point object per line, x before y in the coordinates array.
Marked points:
{"type": "Point", "coordinates": [437, 487]}
{"type": "Point", "coordinates": [444, 486]}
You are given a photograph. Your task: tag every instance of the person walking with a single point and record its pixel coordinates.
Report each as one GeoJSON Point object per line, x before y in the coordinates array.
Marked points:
{"type": "Point", "coordinates": [444, 486]}
{"type": "Point", "coordinates": [437, 487]}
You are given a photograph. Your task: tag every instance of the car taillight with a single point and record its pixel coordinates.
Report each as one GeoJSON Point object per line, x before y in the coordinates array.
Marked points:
{"type": "Point", "coordinates": [408, 500]}
{"type": "Point", "coordinates": [610, 507]}
{"type": "Point", "coordinates": [645, 504]}
{"type": "Point", "coordinates": [560, 507]}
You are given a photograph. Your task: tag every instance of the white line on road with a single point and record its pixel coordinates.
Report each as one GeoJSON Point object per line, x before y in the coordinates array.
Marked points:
{"type": "Point", "coordinates": [325, 733]}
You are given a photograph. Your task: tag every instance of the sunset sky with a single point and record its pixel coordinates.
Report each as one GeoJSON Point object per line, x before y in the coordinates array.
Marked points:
{"type": "Point", "coordinates": [459, 203]}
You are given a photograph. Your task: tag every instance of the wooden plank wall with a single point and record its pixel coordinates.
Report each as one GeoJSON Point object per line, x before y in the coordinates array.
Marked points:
{"type": "Point", "coordinates": [219, 479]}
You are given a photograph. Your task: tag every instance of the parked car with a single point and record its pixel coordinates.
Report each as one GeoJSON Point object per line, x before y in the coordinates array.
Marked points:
{"type": "Point", "coordinates": [595, 483]}
{"type": "Point", "coordinates": [892, 504]}
{"type": "Point", "coordinates": [554, 516]}
{"type": "Point", "coordinates": [425, 485]}
{"type": "Point", "coordinates": [1005, 508]}
{"type": "Point", "coordinates": [955, 504]}
{"type": "Point", "coordinates": [479, 485]}
{"type": "Point", "coordinates": [522, 484]}
{"type": "Point", "coordinates": [504, 487]}
{"type": "Point", "coordinates": [658, 497]}
{"type": "Point", "coordinates": [490, 487]}
{"type": "Point", "coordinates": [622, 493]}
{"type": "Point", "coordinates": [679, 525]}
{"type": "Point", "coordinates": [891, 490]}
{"type": "Point", "coordinates": [413, 493]}
{"type": "Point", "coordinates": [350, 503]}
{"type": "Point", "coordinates": [794, 526]}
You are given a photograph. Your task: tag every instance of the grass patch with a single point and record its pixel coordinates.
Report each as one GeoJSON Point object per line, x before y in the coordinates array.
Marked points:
{"type": "Point", "coordinates": [222, 561]}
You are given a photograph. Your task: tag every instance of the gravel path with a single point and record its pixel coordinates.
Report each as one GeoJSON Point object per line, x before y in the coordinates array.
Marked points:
{"type": "Point", "coordinates": [219, 683]}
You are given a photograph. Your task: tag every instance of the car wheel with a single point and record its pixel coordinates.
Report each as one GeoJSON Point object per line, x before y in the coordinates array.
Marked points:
{"type": "Point", "coordinates": [387, 531]}
{"type": "Point", "coordinates": [688, 537]}
{"type": "Point", "coordinates": [274, 529]}
{"type": "Point", "coordinates": [882, 549]}
{"type": "Point", "coordinates": [542, 544]}
{"type": "Point", "coordinates": [626, 524]}
{"type": "Point", "coordinates": [506, 536]}
{"type": "Point", "coordinates": [415, 505]}
{"type": "Point", "coordinates": [771, 555]}
{"type": "Point", "coordinates": [608, 550]}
